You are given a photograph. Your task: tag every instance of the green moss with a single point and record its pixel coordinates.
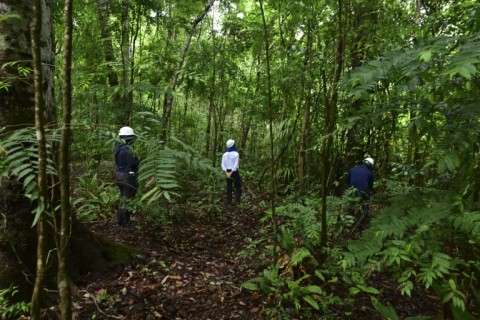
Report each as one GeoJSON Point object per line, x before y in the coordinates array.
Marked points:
{"type": "Point", "coordinates": [118, 252]}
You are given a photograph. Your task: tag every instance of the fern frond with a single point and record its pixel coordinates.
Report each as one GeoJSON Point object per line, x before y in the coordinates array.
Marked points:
{"type": "Point", "coordinates": [299, 255]}
{"type": "Point", "coordinates": [468, 223]}
{"type": "Point", "coordinates": [20, 158]}
{"type": "Point", "coordinates": [160, 165]}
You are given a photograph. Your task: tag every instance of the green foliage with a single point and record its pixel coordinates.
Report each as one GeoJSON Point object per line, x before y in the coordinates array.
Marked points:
{"type": "Point", "coordinates": [159, 165]}
{"type": "Point", "coordinates": [10, 310]}
{"type": "Point", "coordinates": [153, 267]}
{"type": "Point", "coordinates": [163, 163]}
{"type": "Point", "coordinates": [282, 292]}
{"type": "Point", "coordinates": [294, 283]}
{"type": "Point", "coordinates": [302, 221]}
{"type": "Point", "coordinates": [22, 72]}
{"type": "Point", "coordinates": [454, 55]}
{"type": "Point", "coordinates": [415, 238]}
{"type": "Point", "coordinates": [19, 158]}
{"type": "Point", "coordinates": [389, 313]}
{"type": "Point", "coordinates": [95, 199]}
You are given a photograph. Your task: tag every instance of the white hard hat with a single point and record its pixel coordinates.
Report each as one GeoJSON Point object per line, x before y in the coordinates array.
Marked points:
{"type": "Point", "coordinates": [230, 143]}
{"type": "Point", "coordinates": [369, 161]}
{"type": "Point", "coordinates": [126, 131]}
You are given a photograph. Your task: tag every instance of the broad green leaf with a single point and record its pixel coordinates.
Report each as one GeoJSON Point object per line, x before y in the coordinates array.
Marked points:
{"type": "Point", "coordinates": [368, 289]}
{"type": "Point", "coordinates": [313, 289]}
{"type": "Point", "coordinates": [250, 286]}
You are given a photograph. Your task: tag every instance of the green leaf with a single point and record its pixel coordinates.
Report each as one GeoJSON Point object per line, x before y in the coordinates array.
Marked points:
{"type": "Point", "coordinates": [388, 312]}
{"type": "Point", "coordinates": [319, 275]}
{"type": "Point", "coordinates": [250, 286]}
{"type": "Point", "coordinates": [311, 302]}
{"type": "Point", "coordinates": [313, 289]}
{"type": "Point", "coordinates": [354, 290]}
{"type": "Point", "coordinates": [368, 289]}
{"type": "Point", "coordinates": [459, 314]}
{"type": "Point", "coordinates": [426, 55]}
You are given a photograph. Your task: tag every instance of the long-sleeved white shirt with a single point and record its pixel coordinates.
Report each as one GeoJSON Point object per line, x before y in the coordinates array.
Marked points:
{"type": "Point", "coordinates": [230, 160]}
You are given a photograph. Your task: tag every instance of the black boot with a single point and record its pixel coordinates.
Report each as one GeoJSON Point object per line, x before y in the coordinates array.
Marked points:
{"type": "Point", "coordinates": [121, 218]}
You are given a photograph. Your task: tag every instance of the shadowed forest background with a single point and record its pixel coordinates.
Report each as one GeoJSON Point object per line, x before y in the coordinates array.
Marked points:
{"type": "Point", "coordinates": [307, 89]}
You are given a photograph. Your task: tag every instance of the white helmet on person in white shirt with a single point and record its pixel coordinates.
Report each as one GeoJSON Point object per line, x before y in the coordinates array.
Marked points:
{"type": "Point", "coordinates": [230, 143]}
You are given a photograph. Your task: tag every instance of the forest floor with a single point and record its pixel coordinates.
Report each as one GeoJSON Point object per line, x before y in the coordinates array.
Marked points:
{"type": "Point", "coordinates": [193, 270]}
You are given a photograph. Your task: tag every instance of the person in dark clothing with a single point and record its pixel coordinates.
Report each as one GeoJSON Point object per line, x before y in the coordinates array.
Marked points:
{"type": "Point", "coordinates": [127, 165]}
{"type": "Point", "coordinates": [361, 179]}
{"type": "Point", "coordinates": [230, 165]}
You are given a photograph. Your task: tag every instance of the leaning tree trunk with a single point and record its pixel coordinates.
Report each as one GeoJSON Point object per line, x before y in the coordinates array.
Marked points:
{"type": "Point", "coordinates": [168, 101]}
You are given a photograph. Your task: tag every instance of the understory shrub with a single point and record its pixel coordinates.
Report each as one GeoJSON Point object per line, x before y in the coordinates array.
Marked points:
{"type": "Point", "coordinates": [425, 238]}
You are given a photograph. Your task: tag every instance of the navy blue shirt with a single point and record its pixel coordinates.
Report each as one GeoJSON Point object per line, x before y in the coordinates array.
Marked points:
{"type": "Point", "coordinates": [361, 178]}
{"type": "Point", "coordinates": [125, 159]}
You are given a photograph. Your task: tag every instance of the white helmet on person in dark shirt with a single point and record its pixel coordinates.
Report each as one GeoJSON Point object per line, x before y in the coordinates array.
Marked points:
{"type": "Point", "coordinates": [127, 134]}
{"type": "Point", "coordinates": [369, 162]}
{"type": "Point", "coordinates": [126, 131]}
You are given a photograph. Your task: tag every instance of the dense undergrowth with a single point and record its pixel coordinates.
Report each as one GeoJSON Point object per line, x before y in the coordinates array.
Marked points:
{"type": "Point", "coordinates": [424, 240]}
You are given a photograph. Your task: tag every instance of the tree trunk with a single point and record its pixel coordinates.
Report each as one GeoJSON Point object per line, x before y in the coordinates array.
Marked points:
{"type": "Point", "coordinates": [272, 154]}
{"type": "Point", "coordinates": [302, 154]}
{"type": "Point", "coordinates": [208, 130]}
{"type": "Point", "coordinates": [329, 123]}
{"type": "Point", "coordinates": [63, 280]}
{"type": "Point", "coordinates": [355, 150]}
{"type": "Point", "coordinates": [125, 46]}
{"type": "Point", "coordinates": [109, 53]}
{"type": "Point", "coordinates": [168, 101]}
{"type": "Point", "coordinates": [211, 100]}
{"type": "Point", "coordinates": [42, 200]}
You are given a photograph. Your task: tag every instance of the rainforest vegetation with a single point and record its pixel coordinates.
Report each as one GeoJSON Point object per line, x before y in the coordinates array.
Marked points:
{"type": "Point", "coordinates": [307, 89]}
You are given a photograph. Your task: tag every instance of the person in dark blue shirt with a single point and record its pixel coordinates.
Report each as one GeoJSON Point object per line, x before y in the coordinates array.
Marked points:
{"type": "Point", "coordinates": [361, 179]}
{"type": "Point", "coordinates": [127, 165]}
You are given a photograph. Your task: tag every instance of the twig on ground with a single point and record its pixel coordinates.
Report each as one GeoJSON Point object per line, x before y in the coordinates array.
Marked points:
{"type": "Point", "coordinates": [94, 299]}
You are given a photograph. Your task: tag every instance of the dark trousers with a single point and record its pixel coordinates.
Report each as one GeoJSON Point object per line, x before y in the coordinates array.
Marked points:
{"type": "Point", "coordinates": [364, 203]}
{"type": "Point", "coordinates": [234, 179]}
{"type": "Point", "coordinates": [127, 184]}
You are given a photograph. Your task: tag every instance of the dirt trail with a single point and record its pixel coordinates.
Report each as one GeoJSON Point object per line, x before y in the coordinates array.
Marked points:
{"type": "Point", "coordinates": [189, 271]}
{"type": "Point", "coordinates": [193, 270]}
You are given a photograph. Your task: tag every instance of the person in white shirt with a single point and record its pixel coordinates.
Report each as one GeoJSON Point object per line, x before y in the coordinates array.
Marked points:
{"type": "Point", "coordinates": [230, 165]}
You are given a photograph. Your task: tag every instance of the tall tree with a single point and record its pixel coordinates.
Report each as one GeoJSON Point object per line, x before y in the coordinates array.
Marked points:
{"type": "Point", "coordinates": [330, 113]}
{"type": "Point", "coordinates": [110, 59]}
{"type": "Point", "coordinates": [270, 117]}
{"type": "Point", "coordinates": [168, 101]}
{"type": "Point", "coordinates": [42, 202]}
{"type": "Point", "coordinates": [305, 129]}
{"type": "Point", "coordinates": [65, 226]}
